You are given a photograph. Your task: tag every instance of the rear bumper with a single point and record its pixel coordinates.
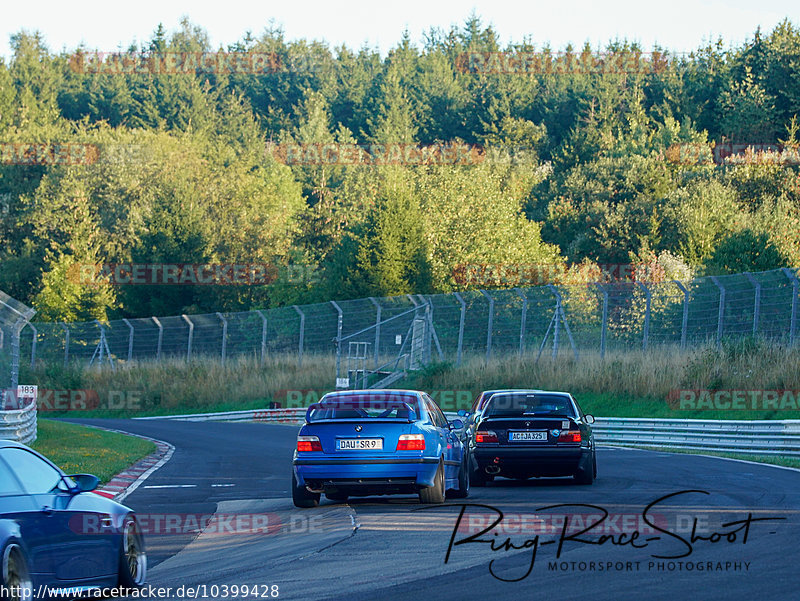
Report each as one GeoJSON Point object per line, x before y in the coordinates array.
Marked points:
{"type": "Point", "coordinates": [533, 461]}
{"type": "Point", "coordinates": [366, 475]}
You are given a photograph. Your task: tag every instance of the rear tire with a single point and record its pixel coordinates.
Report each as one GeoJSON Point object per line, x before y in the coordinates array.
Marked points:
{"type": "Point", "coordinates": [462, 492]}
{"type": "Point", "coordinates": [302, 497]}
{"type": "Point", "coordinates": [480, 478]}
{"type": "Point", "coordinates": [586, 476]}
{"type": "Point", "coordinates": [132, 557]}
{"type": "Point", "coordinates": [14, 575]}
{"type": "Point", "coordinates": [434, 494]}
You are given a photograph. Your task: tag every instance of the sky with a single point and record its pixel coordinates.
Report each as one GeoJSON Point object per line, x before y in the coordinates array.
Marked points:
{"type": "Point", "coordinates": [678, 25]}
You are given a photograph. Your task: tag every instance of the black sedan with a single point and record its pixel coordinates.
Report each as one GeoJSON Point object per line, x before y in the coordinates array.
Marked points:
{"type": "Point", "coordinates": [531, 433]}
{"type": "Point", "coordinates": [55, 533]}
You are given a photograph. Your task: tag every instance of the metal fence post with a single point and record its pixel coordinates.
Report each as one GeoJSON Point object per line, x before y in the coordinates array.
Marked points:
{"type": "Point", "coordinates": [191, 334]}
{"type": "Point", "coordinates": [160, 338]}
{"type": "Point", "coordinates": [224, 335]}
{"type": "Point", "coordinates": [302, 333]}
{"type": "Point", "coordinates": [130, 339]}
{"type": "Point", "coordinates": [15, 334]}
{"type": "Point", "coordinates": [522, 320]}
{"type": "Point", "coordinates": [685, 321]}
{"type": "Point", "coordinates": [646, 315]}
{"type": "Point", "coordinates": [428, 329]}
{"type": "Point", "coordinates": [66, 343]}
{"type": "Point", "coordinates": [721, 316]}
{"type": "Point", "coordinates": [338, 335]}
{"type": "Point", "coordinates": [490, 325]}
{"type": "Point", "coordinates": [263, 336]}
{"type": "Point", "coordinates": [378, 309]}
{"type": "Point", "coordinates": [604, 324]}
{"type": "Point", "coordinates": [557, 319]}
{"type": "Point", "coordinates": [460, 326]}
{"type": "Point", "coordinates": [101, 345]}
{"type": "Point", "coordinates": [756, 301]}
{"type": "Point", "coordinates": [432, 335]}
{"type": "Point", "coordinates": [795, 285]}
{"type": "Point", "coordinates": [416, 304]}
{"type": "Point", "coordinates": [33, 344]}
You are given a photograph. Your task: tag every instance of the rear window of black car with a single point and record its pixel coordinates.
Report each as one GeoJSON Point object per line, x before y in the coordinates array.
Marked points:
{"type": "Point", "coordinates": [525, 405]}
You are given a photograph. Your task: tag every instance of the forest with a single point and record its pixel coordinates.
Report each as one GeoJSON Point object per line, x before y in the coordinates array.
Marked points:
{"type": "Point", "coordinates": [341, 173]}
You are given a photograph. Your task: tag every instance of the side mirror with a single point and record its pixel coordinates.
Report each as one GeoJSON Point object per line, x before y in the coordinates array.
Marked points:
{"type": "Point", "coordinates": [589, 419]}
{"type": "Point", "coordinates": [456, 424]}
{"type": "Point", "coordinates": [84, 483]}
{"type": "Point", "coordinates": [462, 413]}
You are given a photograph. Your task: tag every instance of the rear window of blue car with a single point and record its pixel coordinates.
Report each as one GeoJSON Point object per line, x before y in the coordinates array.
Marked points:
{"type": "Point", "coordinates": [366, 406]}
{"type": "Point", "coordinates": [525, 405]}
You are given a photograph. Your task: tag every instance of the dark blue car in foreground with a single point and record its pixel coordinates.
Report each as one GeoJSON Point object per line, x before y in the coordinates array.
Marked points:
{"type": "Point", "coordinates": [55, 532]}
{"type": "Point", "coordinates": [368, 442]}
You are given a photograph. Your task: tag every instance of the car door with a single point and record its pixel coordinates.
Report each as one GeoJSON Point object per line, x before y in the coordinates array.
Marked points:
{"type": "Point", "coordinates": [20, 518]}
{"type": "Point", "coordinates": [450, 442]}
{"type": "Point", "coordinates": [78, 549]}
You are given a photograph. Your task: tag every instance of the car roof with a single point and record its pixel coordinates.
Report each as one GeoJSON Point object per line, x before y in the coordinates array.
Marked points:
{"type": "Point", "coordinates": [11, 443]}
{"type": "Point", "coordinates": [376, 391]}
{"type": "Point", "coordinates": [524, 391]}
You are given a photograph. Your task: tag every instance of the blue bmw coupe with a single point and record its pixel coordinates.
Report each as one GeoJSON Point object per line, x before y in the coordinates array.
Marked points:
{"type": "Point", "coordinates": [55, 533]}
{"type": "Point", "coordinates": [374, 442]}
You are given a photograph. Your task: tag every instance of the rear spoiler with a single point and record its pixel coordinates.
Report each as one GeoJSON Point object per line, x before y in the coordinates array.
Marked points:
{"type": "Point", "coordinates": [532, 416]}
{"type": "Point", "coordinates": [362, 405]}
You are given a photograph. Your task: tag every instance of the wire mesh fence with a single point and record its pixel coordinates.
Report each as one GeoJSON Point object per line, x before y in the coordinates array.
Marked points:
{"type": "Point", "coordinates": [13, 317]}
{"type": "Point", "coordinates": [617, 315]}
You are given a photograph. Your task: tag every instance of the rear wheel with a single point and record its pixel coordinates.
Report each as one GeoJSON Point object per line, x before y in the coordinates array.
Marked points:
{"type": "Point", "coordinates": [15, 577]}
{"type": "Point", "coordinates": [480, 478]}
{"type": "Point", "coordinates": [462, 492]}
{"type": "Point", "coordinates": [434, 494]}
{"type": "Point", "coordinates": [301, 496]}
{"type": "Point", "coordinates": [586, 476]}
{"type": "Point", "coordinates": [132, 559]}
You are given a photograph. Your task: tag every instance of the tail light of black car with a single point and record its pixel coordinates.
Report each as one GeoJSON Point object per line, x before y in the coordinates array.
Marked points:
{"type": "Point", "coordinates": [570, 436]}
{"type": "Point", "coordinates": [485, 436]}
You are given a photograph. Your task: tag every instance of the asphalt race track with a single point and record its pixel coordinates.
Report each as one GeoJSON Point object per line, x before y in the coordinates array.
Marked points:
{"type": "Point", "coordinates": [387, 548]}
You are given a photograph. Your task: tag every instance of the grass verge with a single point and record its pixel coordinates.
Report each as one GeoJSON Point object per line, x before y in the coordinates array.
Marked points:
{"type": "Point", "coordinates": [639, 384]}
{"type": "Point", "coordinates": [175, 386]}
{"type": "Point", "coordinates": [82, 450]}
{"type": "Point", "coordinates": [621, 384]}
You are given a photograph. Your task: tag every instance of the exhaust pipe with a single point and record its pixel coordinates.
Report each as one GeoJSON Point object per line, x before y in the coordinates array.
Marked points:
{"type": "Point", "coordinates": [316, 491]}
{"type": "Point", "coordinates": [492, 469]}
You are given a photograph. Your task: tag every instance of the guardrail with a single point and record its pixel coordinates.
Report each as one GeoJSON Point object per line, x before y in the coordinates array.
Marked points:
{"type": "Point", "coordinates": [19, 424]}
{"type": "Point", "coordinates": [281, 416]}
{"type": "Point", "coordinates": [763, 437]}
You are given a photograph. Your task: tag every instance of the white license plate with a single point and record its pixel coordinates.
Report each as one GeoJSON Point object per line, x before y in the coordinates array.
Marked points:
{"type": "Point", "coordinates": [359, 444]}
{"type": "Point", "coordinates": [528, 436]}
